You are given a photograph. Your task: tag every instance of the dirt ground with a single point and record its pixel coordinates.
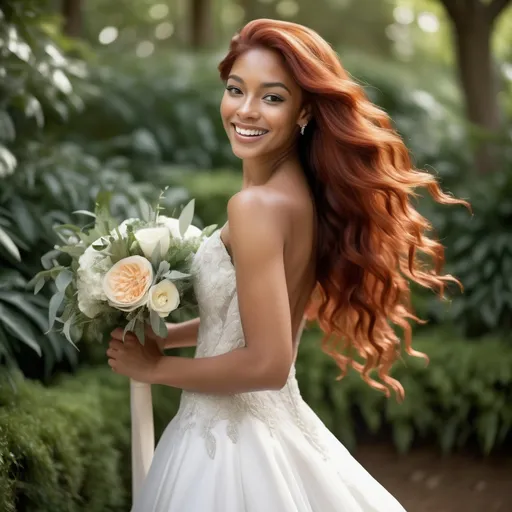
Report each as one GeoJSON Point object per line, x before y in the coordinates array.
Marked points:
{"type": "Point", "coordinates": [425, 481]}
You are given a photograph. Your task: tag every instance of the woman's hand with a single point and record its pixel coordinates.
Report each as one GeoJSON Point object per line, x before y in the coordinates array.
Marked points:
{"type": "Point", "coordinates": [131, 358]}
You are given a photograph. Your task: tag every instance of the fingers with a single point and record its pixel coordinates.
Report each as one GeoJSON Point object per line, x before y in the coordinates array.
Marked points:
{"type": "Point", "coordinates": [112, 364]}
{"type": "Point", "coordinates": [115, 344]}
{"type": "Point", "coordinates": [117, 334]}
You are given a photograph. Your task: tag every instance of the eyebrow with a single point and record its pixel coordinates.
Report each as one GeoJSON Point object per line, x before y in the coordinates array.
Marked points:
{"type": "Point", "coordinates": [265, 85]}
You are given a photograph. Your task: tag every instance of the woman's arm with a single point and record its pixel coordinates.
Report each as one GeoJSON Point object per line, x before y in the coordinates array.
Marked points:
{"type": "Point", "coordinates": [257, 241]}
{"type": "Point", "coordinates": [180, 335]}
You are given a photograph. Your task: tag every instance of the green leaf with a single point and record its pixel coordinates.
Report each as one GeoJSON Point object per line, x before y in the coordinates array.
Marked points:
{"type": "Point", "coordinates": [63, 280]}
{"type": "Point", "coordinates": [55, 303]}
{"type": "Point", "coordinates": [157, 324]}
{"type": "Point", "coordinates": [163, 268]}
{"type": "Point", "coordinates": [129, 326]}
{"type": "Point", "coordinates": [24, 219]}
{"type": "Point", "coordinates": [7, 242]}
{"type": "Point", "coordinates": [47, 259]}
{"type": "Point", "coordinates": [20, 327]}
{"type": "Point", "coordinates": [186, 217]}
{"type": "Point", "coordinates": [156, 257]}
{"type": "Point", "coordinates": [85, 212]}
{"type": "Point", "coordinates": [102, 203]}
{"type": "Point", "coordinates": [139, 331]}
{"type": "Point", "coordinates": [68, 324]}
{"type": "Point", "coordinates": [145, 210]}
{"type": "Point", "coordinates": [39, 284]}
{"type": "Point", "coordinates": [175, 275]}
{"type": "Point", "coordinates": [20, 300]}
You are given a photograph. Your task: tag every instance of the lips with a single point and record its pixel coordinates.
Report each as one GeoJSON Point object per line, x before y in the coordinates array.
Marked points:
{"type": "Point", "coordinates": [252, 134]}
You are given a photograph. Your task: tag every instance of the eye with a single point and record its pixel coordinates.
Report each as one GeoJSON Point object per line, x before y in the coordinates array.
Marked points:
{"type": "Point", "coordinates": [233, 90]}
{"type": "Point", "coordinates": [273, 98]}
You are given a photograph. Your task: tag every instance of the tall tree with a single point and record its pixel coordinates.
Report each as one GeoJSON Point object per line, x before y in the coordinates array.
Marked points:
{"type": "Point", "coordinates": [72, 14]}
{"type": "Point", "coordinates": [473, 22]}
{"type": "Point", "coordinates": [201, 23]}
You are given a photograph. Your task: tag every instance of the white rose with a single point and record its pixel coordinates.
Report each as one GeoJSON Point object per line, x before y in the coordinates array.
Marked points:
{"type": "Point", "coordinates": [173, 225]}
{"type": "Point", "coordinates": [148, 239]}
{"type": "Point", "coordinates": [163, 298]}
{"type": "Point", "coordinates": [93, 265]}
{"type": "Point", "coordinates": [127, 283]}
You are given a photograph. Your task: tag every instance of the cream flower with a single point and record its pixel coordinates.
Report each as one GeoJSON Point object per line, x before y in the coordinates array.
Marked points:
{"type": "Point", "coordinates": [149, 238]}
{"type": "Point", "coordinates": [163, 298]}
{"type": "Point", "coordinates": [127, 283]}
{"type": "Point", "coordinates": [92, 267]}
{"type": "Point", "coordinates": [173, 225]}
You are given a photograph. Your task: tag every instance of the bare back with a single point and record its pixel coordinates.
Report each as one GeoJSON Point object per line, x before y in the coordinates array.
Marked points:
{"type": "Point", "coordinates": [298, 222]}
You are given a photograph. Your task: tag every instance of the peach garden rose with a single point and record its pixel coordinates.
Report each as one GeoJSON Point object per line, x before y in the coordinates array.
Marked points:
{"type": "Point", "coordinates": [127, 283]}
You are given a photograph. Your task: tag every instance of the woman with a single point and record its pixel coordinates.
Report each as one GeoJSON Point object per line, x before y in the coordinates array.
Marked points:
{"type": "Point", "coordinates": [323, 229]}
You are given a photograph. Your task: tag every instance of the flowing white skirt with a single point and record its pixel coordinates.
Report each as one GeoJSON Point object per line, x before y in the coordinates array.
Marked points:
{"type": "Point", "coordinates": [258, 471]}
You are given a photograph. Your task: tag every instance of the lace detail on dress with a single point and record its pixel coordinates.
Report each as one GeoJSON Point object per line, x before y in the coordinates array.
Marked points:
{"type": "Point", "coordinates": [221, 331]}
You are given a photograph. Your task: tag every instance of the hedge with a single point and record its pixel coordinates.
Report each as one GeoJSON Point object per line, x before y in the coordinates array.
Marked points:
{"type": "Point", "coordinates": [67, 447]}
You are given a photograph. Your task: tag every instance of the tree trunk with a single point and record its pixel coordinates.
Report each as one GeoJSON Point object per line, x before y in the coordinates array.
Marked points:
{"type": "Point", "coordinates": [201, 24]}
{"type": "Point", "coordinates": [478, 78]}
{"type": "Point", "coordinates": [72, 13]}
{"type": "Point", "coordinates": [473, 23]}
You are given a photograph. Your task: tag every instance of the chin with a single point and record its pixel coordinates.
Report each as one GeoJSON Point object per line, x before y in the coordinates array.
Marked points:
{"type": "Point", "coordinates": [246, 153]}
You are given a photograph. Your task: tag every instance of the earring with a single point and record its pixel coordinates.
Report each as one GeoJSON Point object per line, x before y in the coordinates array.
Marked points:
{"type": "Point", "coordinates": [302, 128]}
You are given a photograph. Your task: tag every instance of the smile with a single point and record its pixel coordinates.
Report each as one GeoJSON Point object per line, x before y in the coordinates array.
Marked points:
{"type": "Point", "coordinates": [249, 134]}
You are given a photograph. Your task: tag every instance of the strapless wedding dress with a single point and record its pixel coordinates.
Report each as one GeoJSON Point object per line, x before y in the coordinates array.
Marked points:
{"type": "Point", "coordinates": [264, 451]}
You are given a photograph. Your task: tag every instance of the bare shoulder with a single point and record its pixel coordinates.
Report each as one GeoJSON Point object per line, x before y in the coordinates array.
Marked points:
{"type": "Point", "coordinates": [258, 220]}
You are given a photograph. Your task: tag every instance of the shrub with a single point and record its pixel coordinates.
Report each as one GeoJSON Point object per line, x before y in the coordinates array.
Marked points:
{"type": "Point", "coordinates": [67, 446]}
{"type": "Point", "coordinates": [461, 398]}
{"type": "Point", "coordinates": [479, 253]}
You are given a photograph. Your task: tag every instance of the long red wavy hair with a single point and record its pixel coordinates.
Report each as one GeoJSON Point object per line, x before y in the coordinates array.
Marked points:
{"type": "Point", "coordinates": [372, 242]}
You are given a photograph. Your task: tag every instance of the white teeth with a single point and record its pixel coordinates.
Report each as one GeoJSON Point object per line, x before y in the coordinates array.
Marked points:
{"type": "Point", "coordinates": [249, 133]}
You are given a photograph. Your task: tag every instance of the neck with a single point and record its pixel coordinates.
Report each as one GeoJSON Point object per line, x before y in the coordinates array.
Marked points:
{"type": "Point", "coordinates": [258, 171]}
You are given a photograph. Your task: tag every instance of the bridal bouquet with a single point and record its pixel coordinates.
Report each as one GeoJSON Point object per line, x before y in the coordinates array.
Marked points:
{"type": "Point", "coordinates": [126, 274]}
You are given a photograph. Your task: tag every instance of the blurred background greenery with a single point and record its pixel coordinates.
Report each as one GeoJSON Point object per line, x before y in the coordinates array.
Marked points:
{"type": "Point", "coordinates": [124, 95]}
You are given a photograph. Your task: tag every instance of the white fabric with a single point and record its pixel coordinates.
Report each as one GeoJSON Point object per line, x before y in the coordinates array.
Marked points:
{"type": "Point", "coordinates": [264, 451]}
{"type": "Point", "coordinates": [143, 432]}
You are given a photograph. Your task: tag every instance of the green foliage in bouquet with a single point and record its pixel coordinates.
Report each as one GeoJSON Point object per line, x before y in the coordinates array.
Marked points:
{"type": "Point", "coordinates": [94, 249]}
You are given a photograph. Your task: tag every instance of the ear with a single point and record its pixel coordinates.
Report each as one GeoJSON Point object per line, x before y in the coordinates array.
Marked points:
{"type": "Point", "coordinates": [305, 115]}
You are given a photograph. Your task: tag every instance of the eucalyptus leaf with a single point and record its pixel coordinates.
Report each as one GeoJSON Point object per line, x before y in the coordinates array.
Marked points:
{"type": "Point", "coordinates": [55, 303]}
{"type": "Point", "coordinates": [163, 267]}
{"type": "Point", "coordinates": [39, 284]}
{"type": "Point", "coordinates": [154, 321]}
{"type": "Point", "coordinates": [67, 328]}
{"type": "Point", "coordinates": [145, 210]}
{"type": "Point", "coordinates": [175, 275]}
{"type": "Point", "coordinates": [139, 331]}
{"type": "Point", "coordinates": [47, 259]}
{"type": "Point", "coordinates": [162, 328]}
{"type": "Point", "coordinates": [63, 280]}
{"type": "Point", "coordinates": [186, 217]}
{"type": "Point", "coordinates": [129, 327]}
{"type": "Point", "coordinates": [156, 256]}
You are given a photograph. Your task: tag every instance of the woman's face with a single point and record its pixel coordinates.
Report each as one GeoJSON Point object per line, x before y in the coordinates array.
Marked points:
{"type": "Point", "coordinates": [262, 105]}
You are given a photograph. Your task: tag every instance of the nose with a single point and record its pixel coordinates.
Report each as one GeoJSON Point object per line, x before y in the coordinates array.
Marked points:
{"type": "Point", "coordinates": [248, 109]}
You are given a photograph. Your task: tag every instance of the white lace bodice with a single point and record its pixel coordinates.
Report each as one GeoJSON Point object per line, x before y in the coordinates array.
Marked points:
{"type": "Point", "coordinates": [221, 331]}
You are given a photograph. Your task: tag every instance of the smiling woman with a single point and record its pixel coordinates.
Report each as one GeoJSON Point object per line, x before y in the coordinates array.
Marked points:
{"type": "Point", "coordinates": [324, 228]}
{"type": "Point", "coordinates": [262, 107]}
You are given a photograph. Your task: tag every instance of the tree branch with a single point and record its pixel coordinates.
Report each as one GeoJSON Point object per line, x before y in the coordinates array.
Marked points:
{"type": "Point", "coordinates": [495, 8]}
